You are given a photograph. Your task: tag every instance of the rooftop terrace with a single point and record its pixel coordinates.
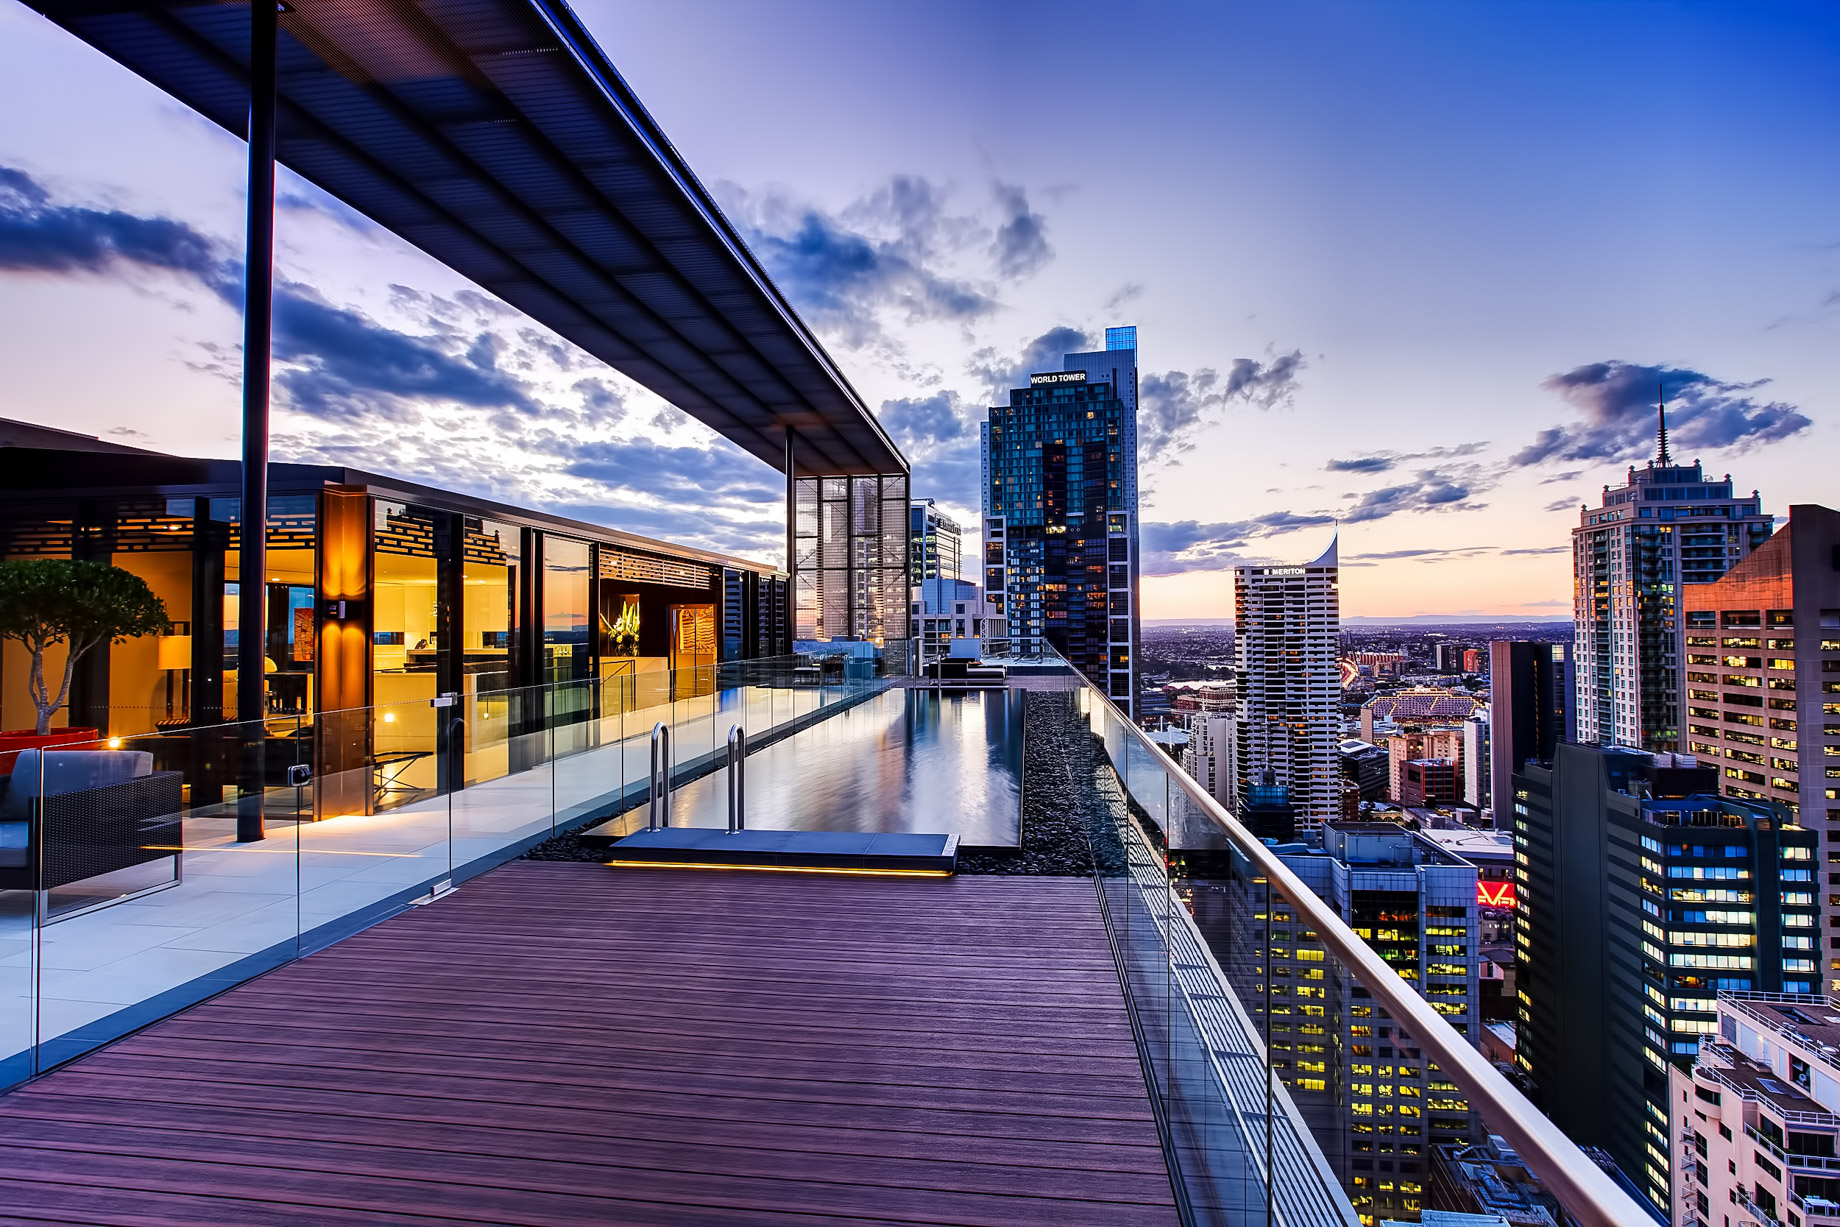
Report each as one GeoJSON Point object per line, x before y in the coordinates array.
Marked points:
{"type": "Point", "coordinates": [388, 1015]}
{"type": "Point", "coordinates": [562, 1043]}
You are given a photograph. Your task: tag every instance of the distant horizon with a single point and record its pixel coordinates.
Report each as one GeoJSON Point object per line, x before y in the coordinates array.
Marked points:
{"type": "Point", "coordinates": [1411, 620]}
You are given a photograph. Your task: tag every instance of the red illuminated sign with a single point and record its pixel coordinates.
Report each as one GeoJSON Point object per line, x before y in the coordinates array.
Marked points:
{"type": "Point", "coordinates": [1494, 894]}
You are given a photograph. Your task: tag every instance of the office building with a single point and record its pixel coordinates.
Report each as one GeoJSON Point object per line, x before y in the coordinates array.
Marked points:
{"type": "Point", "coordinates": [1428, 781]}
{"type": "Point", "coordinates": [1531, 699]}
{"type": "Point", "coordinates": [932, 543]}
{"type": "Point", "coordinates": [1374, 1103]}
{"type": "Point", "coordinates": [1763, 680]}
{"type": "Point", "coordinates": [1209, 752]}
{"type": "Point", "coordinates": [1642, 895]}
{"type": "Point", "coordinates": [1060, 471]}
{"type": "Point", "coordinates": [1440, 745]}
{"type": "Point", "coordinates": [944, 610]}
{"type": "Point", "coordinates": [1285, 622]}
{"type": "Point", "coordinates": [1476, 762]}
{"type": "Point", "coordinates": [1486, 1182]}
{"type": "Point", "coordinates": [1651, 539]}
{"type": "Point", "coordinates": [1448, 658]}
{"type": "Point", "coordinates": [1475, 660]}
{"type": "Point", "coordinates": [1368, 766]}
{"type": "Point", "coordinates": [1756, 1120]}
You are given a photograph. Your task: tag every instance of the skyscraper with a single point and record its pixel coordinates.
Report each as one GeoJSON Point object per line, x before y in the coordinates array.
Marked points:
{"type": "Point", "coordinates": [1763, 678]}
{"type": "Point", "coordinates": [932, 543]}
{"type": "Point", "coordinates": [1060, 524]}
{"type": "Point", "coordinates": [1668, 527]}
{"type": "Point", "coordinates": [1373, 1102]}
{"type": "Point", "coordinates": [1285, 623]}
{"type": "Point", "coordinates": [1530, 711]}
{"type": "Point", "coordinates": [1641, 896]}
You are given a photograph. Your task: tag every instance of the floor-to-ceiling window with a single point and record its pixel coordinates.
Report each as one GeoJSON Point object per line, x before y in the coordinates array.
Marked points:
{"type": "Point", "coordinates": [566, 649]}
{"type": "Point", "coordinates": [405, 646]}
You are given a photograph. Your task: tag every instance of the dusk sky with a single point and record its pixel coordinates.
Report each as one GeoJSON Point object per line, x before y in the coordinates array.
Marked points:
{"type": "Point", "coordinates": [1415, 267]}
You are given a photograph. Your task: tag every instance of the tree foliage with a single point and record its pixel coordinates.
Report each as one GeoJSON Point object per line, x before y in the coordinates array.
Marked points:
{"type": "Point", "coordinates": [48, 601]}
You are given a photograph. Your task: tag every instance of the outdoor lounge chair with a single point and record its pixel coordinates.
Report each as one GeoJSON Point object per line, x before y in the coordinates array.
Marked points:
{"type": "Point", "coordinates": [101, 810]}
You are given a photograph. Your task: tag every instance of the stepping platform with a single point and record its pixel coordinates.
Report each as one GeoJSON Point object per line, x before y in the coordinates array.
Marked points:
{"type": "Point", "coordinates": [808, 851]}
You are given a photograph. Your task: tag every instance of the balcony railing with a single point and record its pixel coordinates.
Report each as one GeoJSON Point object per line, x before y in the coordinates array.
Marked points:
{"type": "Point", "coordinates": [1233, 1123]}
{"type": "Point", "coordinates": [129, 888]}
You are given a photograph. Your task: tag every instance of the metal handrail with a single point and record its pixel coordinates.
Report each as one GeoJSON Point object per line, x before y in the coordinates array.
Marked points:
{"type": "Point", "coordinates": [1586, 1192]}
{"type": "Point", "coordinates": [737, 778]}
{"type": "Point", "coordinates": [658, 810]}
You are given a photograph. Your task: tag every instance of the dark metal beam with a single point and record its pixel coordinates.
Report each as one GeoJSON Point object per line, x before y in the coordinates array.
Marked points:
{"type": "Point", "coordinates": [258, 311]}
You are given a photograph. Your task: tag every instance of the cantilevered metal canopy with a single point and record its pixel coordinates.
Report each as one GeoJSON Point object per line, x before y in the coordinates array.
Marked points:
{"type": "Point", "coordinates": [495, 136]}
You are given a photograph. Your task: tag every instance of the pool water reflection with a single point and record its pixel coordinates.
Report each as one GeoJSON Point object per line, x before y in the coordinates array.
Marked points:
{"type": "Point", "coordinates": [906, 760]}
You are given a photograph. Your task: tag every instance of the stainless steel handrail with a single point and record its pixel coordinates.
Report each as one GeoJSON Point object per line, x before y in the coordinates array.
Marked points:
{"type": "Point", "coordinates": [658, 811]}
{"type": "Point", "coordinates": [737, 778]}
{"type": "Point", "coordinates": [1583, 1188]}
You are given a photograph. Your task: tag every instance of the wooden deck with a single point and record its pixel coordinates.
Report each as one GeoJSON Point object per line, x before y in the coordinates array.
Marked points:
{"type": "Point", "coordinates": [566, 1043]}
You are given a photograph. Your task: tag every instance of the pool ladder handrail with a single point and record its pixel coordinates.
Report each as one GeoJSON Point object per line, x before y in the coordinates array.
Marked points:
{"type": "Point", "coordinates": [737, 778]}
{"type": "Point", "coordinates": [658, 805]}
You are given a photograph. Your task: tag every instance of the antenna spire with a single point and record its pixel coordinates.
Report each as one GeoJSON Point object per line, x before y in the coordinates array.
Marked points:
{"type": "Point", "coordinates": [1661, 434]}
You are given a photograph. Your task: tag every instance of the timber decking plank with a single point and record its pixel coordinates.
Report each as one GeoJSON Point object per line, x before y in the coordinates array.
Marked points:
{"type": "Point", "coordinates": [559, 1043]}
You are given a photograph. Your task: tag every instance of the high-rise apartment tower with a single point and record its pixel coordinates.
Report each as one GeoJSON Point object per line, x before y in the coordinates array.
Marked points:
{"type": "Point", "coordinates": [1763, 682]}
{"type": "Point", "coordinates": [1642, 895]}
{"type": "Point", "coordinates": [1060, 514]}
{"type": "Point", "coordinates": [932, 543]}
{"type": "Point", "coordinates": [1667, 528]}
{"type": "Point", "coordinates": [1374, 1103]}
{"type": "Point", "coordinates": [1530, 711]}
{"type": "Point", "coordinates": [1285, 623]}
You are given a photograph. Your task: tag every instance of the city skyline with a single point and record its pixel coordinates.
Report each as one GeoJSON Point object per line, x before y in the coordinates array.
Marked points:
{"type": "Point", "coordinates": [942, 249]}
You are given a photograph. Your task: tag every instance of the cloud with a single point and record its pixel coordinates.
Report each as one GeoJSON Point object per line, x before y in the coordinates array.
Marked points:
{"type": "Point", "coordinates": [1172, 407]}
{"type": "Point", "coordinates": [899, 253]}
{"type": "Point", "coordinates": [1433, 554]}
{"type": "Point", "coordinates": [1000, 373]}
{"type": "Point", "coordinates": [1616, 403]}
{"type": "Point", "coordinates": [40, 236]}
{"type": "Point", "coordinates": [1542, 549]}
{"type": "Point", "coordinates": [343, 364]}
{"type": "Point", "coordinates": [1557, 478]}
{"type": "Point", "coordinates": [939, 436]}
{"type": "Point", "coordinates": [1187, 545]}
{"type": "Point", "coordinates": [1123, 296]}
{"type": "Point", "coordinates": [1382, 462]}
{"type": "Point", "coordinates": [691, 476]}
{"type": "Point", "coordinates": [1560, 504]}
{"type": "Point", "coordinates": [1266, 384]}
{"type": "Point", "coordinates": [1363, 464]}
{"type": "Point", "coordinates": [1434, 490]}
{"type": "Point", "coordinates": [1020, 248]}
{"type": "Point", "coordinates": [921, 424]}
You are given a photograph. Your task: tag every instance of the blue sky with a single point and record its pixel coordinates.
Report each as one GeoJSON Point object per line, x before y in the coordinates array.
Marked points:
{"type": "Point", "coordinates": [1410, 266]}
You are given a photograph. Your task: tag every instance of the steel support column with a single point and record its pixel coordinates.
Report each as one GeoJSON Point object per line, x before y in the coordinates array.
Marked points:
{"type": "Point", "coordinates": [792, 546]}
{"type": "Point", "coordinates": [258, 310]}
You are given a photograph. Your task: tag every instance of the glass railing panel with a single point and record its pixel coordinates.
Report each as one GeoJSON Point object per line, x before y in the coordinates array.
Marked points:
{"type": "Point", "coordinates": [508, 795]}
{"type": "Point", "coordinates": [1314, 1045]}
{"type": "Point", "coordinates": [161, 868]}
{"type": "Point", "coordinates": [284, 834]}
{"type": "Point", "coordinates": [1202, 1062]}
{"type": "Point", "coordinates": [381, 831]}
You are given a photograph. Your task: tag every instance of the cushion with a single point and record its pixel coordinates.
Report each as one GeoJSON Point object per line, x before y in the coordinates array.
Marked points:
{"type": "Point", "coordinates": [14, 837]}
{"type": "Point", "coordinates": [69, 771]}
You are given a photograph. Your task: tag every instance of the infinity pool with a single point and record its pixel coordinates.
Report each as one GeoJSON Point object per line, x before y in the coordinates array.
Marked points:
{"type": "Point", "coordinates": [906, 760]}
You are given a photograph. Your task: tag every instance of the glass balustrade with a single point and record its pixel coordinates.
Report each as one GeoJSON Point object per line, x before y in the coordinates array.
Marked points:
{"type": "Point", "coordinates": [130, 885]}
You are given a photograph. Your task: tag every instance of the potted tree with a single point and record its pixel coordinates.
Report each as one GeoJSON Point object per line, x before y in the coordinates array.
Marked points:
{"type": "Point", "coordinates": [48, 601]}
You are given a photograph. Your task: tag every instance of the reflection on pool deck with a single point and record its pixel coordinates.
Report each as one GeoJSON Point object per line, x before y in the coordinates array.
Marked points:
{"type": "Point", "coordinates": [906, 760]}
